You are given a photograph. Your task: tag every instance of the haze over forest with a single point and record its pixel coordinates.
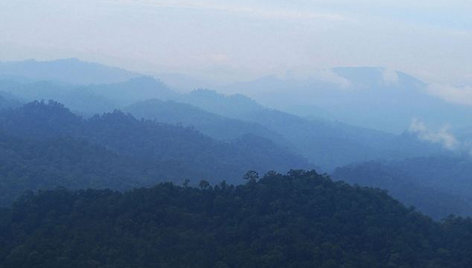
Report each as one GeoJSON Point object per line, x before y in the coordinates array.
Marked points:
{"type": "Point", "coordinates": [253, 134]}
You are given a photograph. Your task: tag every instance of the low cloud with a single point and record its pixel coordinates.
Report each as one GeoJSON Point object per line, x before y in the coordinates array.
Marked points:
{"type": "Point", "coordinates": [323, 75]}
{"type": "Point", "coordinates": [455, 94]}
{"type": "Point", "coordinates": [390, 76]}
{"type": "Point", "coordinates": [332, 77]}
{"type": "Point", "coordinates": [442, 136]}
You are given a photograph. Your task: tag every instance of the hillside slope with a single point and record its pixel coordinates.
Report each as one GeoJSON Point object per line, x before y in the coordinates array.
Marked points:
{"type": "Point", "coordinates": [135, 152]}
{"type": "Point", "coordinates": [437, 186]}
{"type": "Point", "coordinates": [210, 124]}
{"type": "Point", "coordinates": [298, 220]}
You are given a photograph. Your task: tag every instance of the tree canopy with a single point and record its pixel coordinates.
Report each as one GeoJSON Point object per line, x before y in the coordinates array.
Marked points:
{"type": "Point", "coordinates": [301, 219]}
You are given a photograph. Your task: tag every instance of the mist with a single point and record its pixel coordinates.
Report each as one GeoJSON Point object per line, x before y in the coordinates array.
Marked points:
{"type": "Point", "coordinates": [157, 133]}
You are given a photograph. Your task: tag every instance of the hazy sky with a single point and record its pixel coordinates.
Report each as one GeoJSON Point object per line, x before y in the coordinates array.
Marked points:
{"type": "Point", "coordinates": [242, 39]}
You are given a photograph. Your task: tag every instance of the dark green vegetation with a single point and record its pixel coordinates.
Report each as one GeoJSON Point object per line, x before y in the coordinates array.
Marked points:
{"type": "Point", "coordinates": [437, 186]}
{"type": "Point", "coordinates": [298, 220]}
{"type": "Point", "coordinates": [44, 145]}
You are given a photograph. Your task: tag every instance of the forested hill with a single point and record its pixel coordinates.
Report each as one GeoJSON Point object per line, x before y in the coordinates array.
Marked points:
{"type": "Point", "coordinates": [76, 164]}
{"type": "Point", "coordinates": [44, 145]}
{"type": "Point", "coordinates": [297, 220]}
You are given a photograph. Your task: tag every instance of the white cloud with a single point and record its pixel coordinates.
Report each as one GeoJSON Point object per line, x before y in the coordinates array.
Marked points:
{"type": "Point", "coordinates": [442, 136]}
{"type": "Point", "coordinates": [390, 76]}
{"type": "Point", "coordinates": [460, 95]}
{"type": "Point", "coordinates": [333, 77]}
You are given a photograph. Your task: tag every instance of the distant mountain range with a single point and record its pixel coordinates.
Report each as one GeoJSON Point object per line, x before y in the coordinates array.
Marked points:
{"type": "Point", "coordinates": [44, 146]}
{"type": "Point", "coordinates": [211, 124]}
{"type": "Point", "coordinates": [148, 132]}
{"type": "Point", "coordinates": [326, 143]}
{"type": "Point", "coordinates": [69, 71]}
{"type": "Point", "coordinates": [102, 167]}
{"type": "Point", "coordinates": [362, 96]}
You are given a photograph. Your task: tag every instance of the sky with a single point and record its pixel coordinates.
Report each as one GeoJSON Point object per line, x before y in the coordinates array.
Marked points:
{"type": "Point", "coordinates": [227, 41]}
